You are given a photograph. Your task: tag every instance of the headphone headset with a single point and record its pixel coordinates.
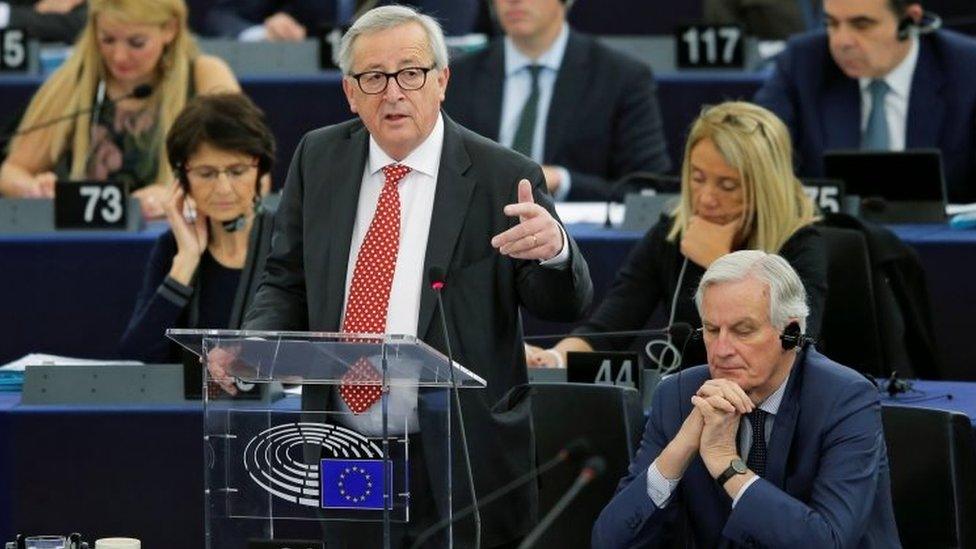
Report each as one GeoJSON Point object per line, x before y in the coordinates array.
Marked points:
{"type": "Point", "coordinates": [930, 22]}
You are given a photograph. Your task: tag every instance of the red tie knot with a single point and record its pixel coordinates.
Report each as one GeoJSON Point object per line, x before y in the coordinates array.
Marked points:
{"type": "Point", "coordinates": [394, 173]}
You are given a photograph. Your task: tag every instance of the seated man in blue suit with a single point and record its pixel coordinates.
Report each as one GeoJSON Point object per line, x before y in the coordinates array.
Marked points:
{"type": "Point", "coordinates": [588, 114]}
{"type": "Point", "coordinates": [769, 445]}
{"type": "Point", "coordinates": [881, 77]}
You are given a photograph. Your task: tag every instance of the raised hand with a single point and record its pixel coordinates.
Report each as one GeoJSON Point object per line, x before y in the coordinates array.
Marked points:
{"type": "Point", "coordinates": [537, 235]}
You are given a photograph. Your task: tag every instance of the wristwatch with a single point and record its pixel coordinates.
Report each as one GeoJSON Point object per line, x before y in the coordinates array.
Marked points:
{"type": "Point", "coordinates": [736, 467]}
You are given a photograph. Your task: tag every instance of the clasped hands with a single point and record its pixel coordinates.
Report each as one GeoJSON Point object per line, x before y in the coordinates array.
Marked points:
{"type": "Point", "coordinates": [710, 429]}
{"type": "Point", "coordinates": [537, 234]}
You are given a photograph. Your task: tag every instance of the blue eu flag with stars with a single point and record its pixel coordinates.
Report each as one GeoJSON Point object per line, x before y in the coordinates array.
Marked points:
{"type": "Point", "coordinates": [352, 483]}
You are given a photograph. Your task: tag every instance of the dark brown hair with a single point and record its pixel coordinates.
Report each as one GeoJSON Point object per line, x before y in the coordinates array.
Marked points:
{"type": "Point", "coordinates": [226, 121]}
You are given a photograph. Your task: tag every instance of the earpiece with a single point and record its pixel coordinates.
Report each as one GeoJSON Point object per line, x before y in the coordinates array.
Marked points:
{"type": "Point", "coordinates": [792, 337]}
{"type": "Point", "coordinates": [905, 28]}
{"type": "Point", "coordinates": [930, 22]}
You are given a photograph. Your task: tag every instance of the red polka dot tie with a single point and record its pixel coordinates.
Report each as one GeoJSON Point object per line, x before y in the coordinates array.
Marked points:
{"type": "Point", "coordinates": [369, 292]}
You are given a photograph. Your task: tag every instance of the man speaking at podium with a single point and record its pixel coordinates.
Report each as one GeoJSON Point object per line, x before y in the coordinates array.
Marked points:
{"type": "Point", "coordinates": [370, 205]}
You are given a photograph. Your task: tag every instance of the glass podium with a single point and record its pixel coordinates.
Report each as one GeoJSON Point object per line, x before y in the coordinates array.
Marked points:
{"type": "Point", "coordinates": [276, 468]}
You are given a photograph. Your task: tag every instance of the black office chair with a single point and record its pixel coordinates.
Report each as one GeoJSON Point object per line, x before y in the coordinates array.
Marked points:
{"type": "Point", "coordinates": [611, 420]}
{"type": "Point", "coordinates": [933, 476]}
{"type": "Point", "coordinates": [849, 333]}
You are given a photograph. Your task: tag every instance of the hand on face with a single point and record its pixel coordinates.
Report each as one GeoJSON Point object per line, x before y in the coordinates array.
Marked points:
{"type": "Point", "coordinates": [537, 234]}
{"type": "Point", "coordinates": [282, 27]}
{"type": "Point", "coordinates": [191, 236]}
{"type": "Point", "coordinates": [703, 241]}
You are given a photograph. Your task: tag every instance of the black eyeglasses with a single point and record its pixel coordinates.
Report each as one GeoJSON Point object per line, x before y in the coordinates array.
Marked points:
{"type": "Point", "coordinates": [375, 82]}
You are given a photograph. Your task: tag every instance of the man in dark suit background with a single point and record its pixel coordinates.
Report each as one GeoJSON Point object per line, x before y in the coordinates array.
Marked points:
{"type": "Point", "coordinates": [588, 114]}
{"type": "Point", "coordinates": [462, 203]}
{"type": "Point", "coordinates": [875, 81]}
{"type": "Point", "coordinates": [770, 444]}
{"type": "Point", "coordinates": [45, 20]}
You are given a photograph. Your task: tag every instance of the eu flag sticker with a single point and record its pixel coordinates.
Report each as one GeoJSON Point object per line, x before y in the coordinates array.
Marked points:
{"type": "Point", "coordinates": [352, 483]}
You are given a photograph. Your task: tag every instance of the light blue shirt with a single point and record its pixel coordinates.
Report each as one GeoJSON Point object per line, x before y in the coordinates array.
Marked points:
{"type": "Point", "coordinates": [660, 488]}
{"type": "Point", "coordinates": [518, 87]}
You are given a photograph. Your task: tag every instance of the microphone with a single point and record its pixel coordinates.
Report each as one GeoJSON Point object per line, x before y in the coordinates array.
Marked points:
{"type": "Point", "coordinates": [574, 452]}
{"type": "Point", "coordinates": [594, 467]}
{"type": "Point", "coordinates": [436, 277]}
{"type": "Point", "coordinates": [139, 92]}
{"type": "Point", "coordinates": [234, 225]}
{"type": "Point", "coordinates": [660, 182]}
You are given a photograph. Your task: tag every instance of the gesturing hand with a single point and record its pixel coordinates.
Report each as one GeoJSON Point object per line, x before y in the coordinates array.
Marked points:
{"type": "Point", "coordinates": [537, 235]}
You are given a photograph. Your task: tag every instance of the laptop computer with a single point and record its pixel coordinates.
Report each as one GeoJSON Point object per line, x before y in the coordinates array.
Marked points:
{"type": "Point", "coordinates": [893, 186]}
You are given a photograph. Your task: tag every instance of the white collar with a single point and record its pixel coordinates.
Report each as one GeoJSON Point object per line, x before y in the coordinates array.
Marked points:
{"type": "Point", "coordinates": [899, 79]}
{"type": "Point", "coordinates": [424, 159]}
{"type": "Point", "coordinates": [552, 58]}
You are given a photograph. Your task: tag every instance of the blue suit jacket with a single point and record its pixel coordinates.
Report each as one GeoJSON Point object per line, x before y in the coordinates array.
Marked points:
{"type": "Point", "coordinates": [822, 106]}
{"type": "Point", "coordinates": [603, 123]}
{"type": "Point", "coordinates": [826, 482]}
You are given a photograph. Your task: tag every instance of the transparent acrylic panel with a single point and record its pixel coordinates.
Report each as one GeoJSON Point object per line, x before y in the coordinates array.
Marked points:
{"type": "Point", "coordinates": [324, 358]}
{"type": "Point", "coordinates": [274, 471]}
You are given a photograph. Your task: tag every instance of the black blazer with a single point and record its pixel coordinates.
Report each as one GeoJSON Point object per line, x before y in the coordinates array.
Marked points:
{"type": "Point", "coordinates": [304, 285]}
{"type": "Point", "coordinates": [604, 121]}
{"type": "Point", "coordinates": [229, 18]}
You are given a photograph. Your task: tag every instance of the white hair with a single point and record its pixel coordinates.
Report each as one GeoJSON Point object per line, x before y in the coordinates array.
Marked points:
{"type": "Point", "coordinates": [787, 296]}
{"type": "Point", "coordinates": [387, 17]}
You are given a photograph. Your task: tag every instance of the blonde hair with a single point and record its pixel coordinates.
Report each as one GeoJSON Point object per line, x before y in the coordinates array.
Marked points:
{"type": "Point", "coordinates": [755, 142]}
{"type": "Point", "coordinates": [73, 86]}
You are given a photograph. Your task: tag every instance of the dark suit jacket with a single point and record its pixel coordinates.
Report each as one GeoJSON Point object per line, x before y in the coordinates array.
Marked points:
{"type": "Point", "coordinates": [304, 285]}
{"type": "Point", "coordinates": [47, 27]}
{"type": "Point", "coordinates": [822, 106]}
{"type": "Point", "coordinates": [827, 482]}
{"type": "Point", "coordinates": [603, 122]}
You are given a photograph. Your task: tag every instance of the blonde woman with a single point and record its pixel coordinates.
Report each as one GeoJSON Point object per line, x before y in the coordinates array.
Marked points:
{"type": "Point", "coordinates": [125, 44]}
{"type": "Point", "coordinates": [738, 192]}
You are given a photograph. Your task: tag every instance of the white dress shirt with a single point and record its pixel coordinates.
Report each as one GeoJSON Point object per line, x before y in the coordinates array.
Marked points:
{"type": "Point", "coordinates": [660, 488]}
{"type": "Point", "coordinates": [899, 82]}
{"type": "Point", "coordinates": [518, 87]}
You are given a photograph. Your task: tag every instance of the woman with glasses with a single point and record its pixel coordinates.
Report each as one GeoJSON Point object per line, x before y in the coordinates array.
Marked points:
{"type": "Point", "coordinates": [203, 271]}
{"type": "Point", "coordinates": [738, 191]}
{"type": "Point", "coordinates": [130, 73]}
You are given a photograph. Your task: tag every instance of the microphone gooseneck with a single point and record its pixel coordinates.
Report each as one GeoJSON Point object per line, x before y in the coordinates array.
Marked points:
{"type": "Point", "coordinates": [234, 225]}
{"type": "Point", "coordinates": [573, 452]}
{"type": "Point", "coordinates": [436, 277]}
{"type": "Point", "coordinates": [140, 92]}
{"type": "Point", "coordinates": [593, 468]}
